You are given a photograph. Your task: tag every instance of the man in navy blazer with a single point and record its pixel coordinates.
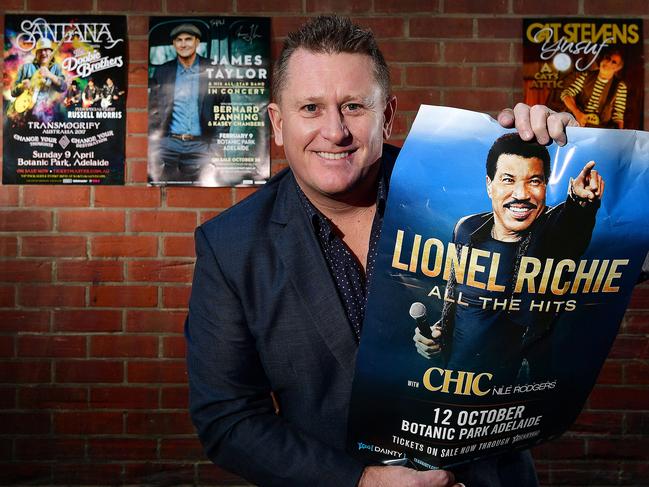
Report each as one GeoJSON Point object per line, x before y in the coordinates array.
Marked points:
{"type": "Point", "coordinates": [280, 279]}
{"type": "Point", "coordinates": [180, 110]}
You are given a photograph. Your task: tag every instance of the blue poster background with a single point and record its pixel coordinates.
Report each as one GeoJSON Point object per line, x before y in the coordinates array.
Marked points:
{"type": "Point", "coordinates": [439, 178]}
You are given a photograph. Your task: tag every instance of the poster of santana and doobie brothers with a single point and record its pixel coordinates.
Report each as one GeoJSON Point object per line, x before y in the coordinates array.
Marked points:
{"type": "Point", "coordinates": [64, 91]}
{"type": "Point", "coordinates": [593, 68]}
{"type": "Point", "coordinates": [517, 279]}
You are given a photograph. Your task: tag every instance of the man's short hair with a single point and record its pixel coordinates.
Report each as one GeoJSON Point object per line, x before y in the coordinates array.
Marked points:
{"type": "Point", "coordinates": [514, 145]}
{"type": "Point", "coordinates": [330, 34]}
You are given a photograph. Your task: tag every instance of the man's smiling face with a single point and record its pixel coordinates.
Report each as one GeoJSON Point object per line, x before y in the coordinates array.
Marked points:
{"type": "Point", "coordinates": [331, 118]}
{"type": "Point", "coordinates": [517, 194]}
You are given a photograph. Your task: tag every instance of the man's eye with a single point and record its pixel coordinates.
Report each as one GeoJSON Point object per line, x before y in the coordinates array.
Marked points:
{"type": "Point", "coordinates": [311, 108]}
{"type": "Point", "coordinates": [508, 180]}
{"type": "Point", "coordinates": [353, 107]}
{"type": "Point", "coordinates": [535, 182]}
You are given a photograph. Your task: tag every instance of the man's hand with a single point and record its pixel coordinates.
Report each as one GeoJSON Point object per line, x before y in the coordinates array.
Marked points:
{"type": "Point", "coordinates": [428, 347]}
{"type": "Point", "coordinates": [538, 122]}
{"type": "Point", "coordinates": [406, 477]}
{"type": "Point", "coordinates": [588, 186]}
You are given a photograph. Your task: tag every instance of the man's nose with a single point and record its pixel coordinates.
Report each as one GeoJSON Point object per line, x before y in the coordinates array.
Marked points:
{"type": "Point", "coordinates": [520, 191]}
{"type": "Point", "coordinates": [334, 127]}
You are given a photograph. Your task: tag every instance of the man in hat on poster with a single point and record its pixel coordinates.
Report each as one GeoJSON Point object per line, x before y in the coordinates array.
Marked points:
{"type": "Point", "coordinates": [38, 84]}
{"type": "Point", "coordinates": [181, 109]}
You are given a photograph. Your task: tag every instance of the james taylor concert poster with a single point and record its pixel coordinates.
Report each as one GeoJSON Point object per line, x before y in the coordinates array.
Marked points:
{"type": "Point", "coordinates": [593, 68]}
{"type": "Point", "coordinates": [64, 92]}
{"type": "Point", "coordinates": [209, 89]}
{"type": "Point", "coordinates": [503, 272]}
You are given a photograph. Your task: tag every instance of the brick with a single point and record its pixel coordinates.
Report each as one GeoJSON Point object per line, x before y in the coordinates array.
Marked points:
{"type": "Point", "coordinates": [439, 76]}
{"type": "Point", "coordinates": [640, 297]}
{"type": "Point", "coordinates": [121, 449]}
{"type": "Point", "coordinates": [163, 221]}
{"type": "Point", "coordinates": [25, 270]}
{"type": "Point", "coordinates": [149, 473]}
{"type": "Point", "coordinates": [610, 397]}
{"type": "Point", "coordinates": [630, 347]}
{"type": "Point", "coordinates": [497, 76]}
{"type": "Point", "coordinates": [611, 373]}
{"type": "Point", "coordinates": [637, 423]}
{"type": "Point", "coordinates": [9, 195]}
{"type": "Point", "coordinates": [138, 75]}
{"type": "Point", "coordinates": [477, 52]}
{"type": "Point", "coordinates": [636, 322]}
{"type": "Point", "coordinates": [138, 25]}
{"type": "Point", "coordinates": [616, 7]}
{"type": "Point", "coordinates": [215, 6]}
{"type": "Point", "coordinates": [7, 401]}
{"type": "Point", "coordinates": [208, 215]}
{"type": "Point", "coordinates": [338, 6]}
{"type": "Point", "coordinates": [25, 220]}
{"type": "Point", "coordinates": [178, 246]}
{"type": "Point", "coordinates": [7, 296]}
{"type": "Point", "coordinates": [598, 423]}
{"type": "Point", "coordinates": [58, 5]}
{"type": "Point", "coordinates": [91, 221]}
{"type": "Point", "coordinates": [25, 321]}
{"type": "Point", "coordinates": [139, 51]}
{"type": "Point", "coordinates": [124, 397]}
{"type": "Point", "coordinates": [6, 447]}
{"type": "Point", "coordinates": [622, 448]}
{"type": "Point", "coordinates": [136, 122]}
{"type": "Point", "coordinates": [41, 397]}
{"type": "Point", "coordinates": [282, 6]}
{"type": "Point", "coordinates": [94, 271]}
{"type": "Point", "coordinates": [410, 51]}
{"type": "Point", "coordinates": [24, 423]}
{"type": "Point", "coordinates": [636, 373]}
{"type": "Point", "coordinates": [51, 346]}
{"type": "Point", "coordinates": [127, 196]}
{"type": "Point", "coordinates": [87, 320]}
{"type": "Point", "coordinates": [593, 473]}
{"type": "Point", "coordinates": [242, 193]}
{"type": "Point", "coordinates": [482, 101]}
{"type": "Point", "coordinates": [123, 246]}
{"type": "Point", "coordinates": [8, 246]}
{"type": "Point", "coordinates": [16, 474]}
{"type": "Point", "coordinates": [155, 321]}
{"type": "Point", "coordinates": [136, 146]}
{"type": "Point", "coordinates": [54, 246]}
{"type": "Point", "coordinates": [89, 371]}
{"type": "Point", "coordinates": [124, 296]}
{"type": "Point", "coordinates": [382, 27]}
{"type": "Point", "coordinates": [129, 5]}
{"type": "Point", "coordinates": [413, 99]}
{"type": "Point", "coordinates": [84, 473]}
{"type": "Point", "coordinates": [476, 7]}
{"type": "Point", "coordinates": [136, 172]}
{"type": "Point", "coordinates": [528, 7]}
{"type": "Point", "coordinates": [55, 296]}
{"type": "Point", "coordinates": [181, 449]}
{"type": "Point", "coordinates": [154, 371]}
{"type": "Point", "coordinates": [43, 449]}
{"type": "Point", "coordinates": [56, 196]}
{"type": "Point", "coordinates": [564, 448]}
{"type": "Point", "coordinates": [137, 97]}
{"type": "Point", "coordinates": [7, 346]}
{"type": "Point", "coordinates": [403, 6]}
{"type": "Point", "coordinates": [24, 371]}
{"type": "Point", "coordinates": [156, 423]}
{"type": "Point", "coordinates": [199, 197]}
{"type": "Point", "coordinates": [173, 347]}
{"type": "Point", "coordinates": [88, 423]}
{"type": "Point", "coordinates": [123, 346]}
{"type": "Point", "coordinates": [160, 271]}
{"type": "Point", "coordinates": [174, 398]}
{"type": "Point", "coordinates": [510, 28]}
{"type": "Point", "coordinates": [175, 296]}
{"type": "Point", "coordinates": [440, 27]}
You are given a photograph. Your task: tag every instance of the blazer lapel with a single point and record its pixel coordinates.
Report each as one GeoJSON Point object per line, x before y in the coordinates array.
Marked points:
{"type": "Point", "coordinates": [298, 247]}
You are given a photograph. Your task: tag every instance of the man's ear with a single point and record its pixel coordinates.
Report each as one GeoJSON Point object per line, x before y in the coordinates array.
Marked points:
{"type": "Point", "coordinates": [388, 116]}
{"type": "Point", "coordinates": [275, 115]}
{"type": "Point", "coordinates": [489, 186]}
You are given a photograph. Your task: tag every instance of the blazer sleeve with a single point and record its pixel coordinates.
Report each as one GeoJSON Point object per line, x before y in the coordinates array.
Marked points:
{"type": "Point", "coordinates": [230, 401]}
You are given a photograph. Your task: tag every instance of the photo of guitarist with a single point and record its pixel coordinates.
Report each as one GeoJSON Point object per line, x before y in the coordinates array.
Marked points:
{"type": "Point", "coordinates": [91, 94]}
{"type": "Point", "coordinates": [598, 98]}
{"type": "Point", "coordinates": [39, 85]}
{"type": "Point", "coordinates": [110, 94]}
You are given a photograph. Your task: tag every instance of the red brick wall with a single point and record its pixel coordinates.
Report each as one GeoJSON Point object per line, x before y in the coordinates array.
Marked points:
{"type": "Point", "coordinates": [94, 281]}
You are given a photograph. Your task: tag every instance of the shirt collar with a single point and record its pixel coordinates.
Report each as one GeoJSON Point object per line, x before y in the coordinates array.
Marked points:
{"type": "Point", "coordinates": [192, 69]}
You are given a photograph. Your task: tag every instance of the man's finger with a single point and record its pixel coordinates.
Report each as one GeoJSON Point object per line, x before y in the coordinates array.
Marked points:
{"type": "Point", "coordinates": [585, 172]}
{"type": "Point", "coordinates": [522, 121]}
{"type": "Point", "coordinates": [557, 123]}
{"type": "Point", "coordinates": [539, 121]}
{"type": "Point", "coordinates": [593, 184]}
{"type": "Point", "coordinates": [506, 118]}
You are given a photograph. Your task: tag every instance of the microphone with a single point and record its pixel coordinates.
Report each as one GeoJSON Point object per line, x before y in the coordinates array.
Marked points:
{"type": "Point", "coordinates": [418, 313]}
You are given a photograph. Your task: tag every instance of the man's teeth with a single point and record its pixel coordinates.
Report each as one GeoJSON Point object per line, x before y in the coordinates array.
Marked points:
{"type": "Point", "coordinates": [517, 209]}
{"type": "Point", "coordinates": [333, 155]}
